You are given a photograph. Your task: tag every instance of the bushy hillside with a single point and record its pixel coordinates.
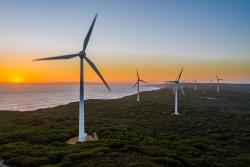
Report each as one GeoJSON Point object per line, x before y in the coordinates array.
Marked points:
{"type": "Point", "coordinates": [212, 130]}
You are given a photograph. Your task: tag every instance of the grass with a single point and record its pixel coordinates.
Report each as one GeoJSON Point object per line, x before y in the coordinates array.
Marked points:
{"type": "Point", "coordinates": [209, 132]}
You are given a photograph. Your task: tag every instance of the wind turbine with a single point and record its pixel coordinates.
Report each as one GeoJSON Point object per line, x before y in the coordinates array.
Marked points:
{"type": "Point", "coordinates": [82, 56]}
{"type": "Point", "coordinates": [138, 85]}
{"type": "Point", "coordinates": [177, 85]}
{"type": "Point", "coordinates": [195, 84]}
{"type": "Point", "coordinates": [218, 83]}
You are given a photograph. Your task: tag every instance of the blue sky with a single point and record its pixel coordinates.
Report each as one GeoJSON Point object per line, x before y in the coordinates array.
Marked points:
{"type": "Point", "coordinates": [190, 30]}
{"type": "Point", "coordinates": [133, 26]}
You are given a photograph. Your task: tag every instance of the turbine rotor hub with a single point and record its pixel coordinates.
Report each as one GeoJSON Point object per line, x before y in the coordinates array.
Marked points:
{"type": "Point", "coordinates": [82, 54]}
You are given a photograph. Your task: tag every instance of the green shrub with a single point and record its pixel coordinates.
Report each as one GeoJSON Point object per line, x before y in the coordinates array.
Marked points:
{"type": "Point", "coordinates": [114, 154]}
{"type": "Point", "coordinates": [242, 161]}
{"type": "Point", "coordinates": [153, 151]}
{"type": "Point", "coordinates": [167, 162]}
{"type": "Point", "coordinates": [115, 143]}
{"type": "Point", "coordinates": [129, 148]}
{"type": "Point", "coordinates": [24, 161]}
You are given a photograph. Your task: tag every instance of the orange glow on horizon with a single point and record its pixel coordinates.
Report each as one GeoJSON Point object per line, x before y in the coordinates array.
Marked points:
{"type": "Point", "coordinates": [24, 70]}
{"type": "Point", "coordinates": [112, 75]}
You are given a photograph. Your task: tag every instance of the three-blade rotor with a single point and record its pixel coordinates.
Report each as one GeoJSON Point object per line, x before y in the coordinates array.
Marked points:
{"type": "Point", "coordinates": [218, 79]}
{"type": "Point", "coordinates": [81, 54]}
{"type": "Point", "coordinates": [177, 82]}
{"type": "Point", "coordinates": [138, 79]}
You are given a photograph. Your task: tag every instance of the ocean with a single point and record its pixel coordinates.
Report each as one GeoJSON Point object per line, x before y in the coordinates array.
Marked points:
{"type": "Point", "coordinates": [29, 97]}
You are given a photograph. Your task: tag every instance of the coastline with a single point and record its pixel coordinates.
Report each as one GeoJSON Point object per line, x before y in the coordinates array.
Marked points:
{"type": "Point", "coordinates": [25, 99]}
{"type": "Point", "coordinates": [244, 88]}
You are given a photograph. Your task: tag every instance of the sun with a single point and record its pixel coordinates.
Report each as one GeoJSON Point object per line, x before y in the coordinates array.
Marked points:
{"type": "Point", "coordinates": [16, 79]}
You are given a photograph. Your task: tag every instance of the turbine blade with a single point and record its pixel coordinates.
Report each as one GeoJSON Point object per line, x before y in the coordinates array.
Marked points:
{"type": "Point", "coordinates": [143, 81]}
{"type": "Point", "coordinates": [180, 74]}
{"type": "Point", "coordinates": [97, 72]}
{"type": "Point", "coordinates": [135, 84]}
{"type": "Point", "coordinates": [86, 40]}
{"type": "Point", "coordinates": [137, 75]}
{"type": "Point", "coordinates": [182, 91]}
{"type": "Point", "coordinates": [58, 57]}
{"type": "Point", "coordinates": [170, 81]}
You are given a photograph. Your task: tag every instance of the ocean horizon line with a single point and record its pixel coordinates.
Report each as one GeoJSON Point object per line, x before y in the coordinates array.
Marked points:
{"type": "Point", "coordinates": [123, 83]}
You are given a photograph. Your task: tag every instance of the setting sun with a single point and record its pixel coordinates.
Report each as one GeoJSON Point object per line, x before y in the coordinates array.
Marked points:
{"type": "Point", "coordinates": [16, 79]}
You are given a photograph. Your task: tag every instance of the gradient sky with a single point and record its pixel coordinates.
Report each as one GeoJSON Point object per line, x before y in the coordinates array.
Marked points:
{"type": "Point", "coordinates": [156, 37]}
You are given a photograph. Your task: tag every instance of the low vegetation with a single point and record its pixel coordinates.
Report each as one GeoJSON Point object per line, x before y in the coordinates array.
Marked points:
{"type": "Point", "coordinates": [213, 130]}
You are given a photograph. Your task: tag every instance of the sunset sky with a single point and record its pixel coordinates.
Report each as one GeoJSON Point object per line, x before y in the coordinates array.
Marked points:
{"type": "Point", "coordinates": [156, 37]}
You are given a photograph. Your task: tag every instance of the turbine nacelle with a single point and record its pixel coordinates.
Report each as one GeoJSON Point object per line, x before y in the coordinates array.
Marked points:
{"type": "Point", "coordinates": [82, 54]}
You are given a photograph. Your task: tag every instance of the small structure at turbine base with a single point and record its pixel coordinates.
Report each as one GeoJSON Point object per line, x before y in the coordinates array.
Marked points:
{"type": "Point", "coordinates": [89, 138]}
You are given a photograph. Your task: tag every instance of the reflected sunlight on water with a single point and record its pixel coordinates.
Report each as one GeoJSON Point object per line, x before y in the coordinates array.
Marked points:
{"type": "Point", "coordinates": [28, 97]}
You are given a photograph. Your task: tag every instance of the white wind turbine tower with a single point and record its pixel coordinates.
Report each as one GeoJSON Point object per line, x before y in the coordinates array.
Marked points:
{"type": "Point", "coordinates": [195, 84]}
{"type": "Point", "coordinates": [177, 85]}
{"type": "Point", "coordinates": [138, 85]}
{"type": "Point", "coordinates": [82, 56]}
{"type": "Point", "coordinates": [218, 83]}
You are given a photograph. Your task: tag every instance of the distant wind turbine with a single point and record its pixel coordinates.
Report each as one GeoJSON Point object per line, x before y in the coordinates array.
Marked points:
{"type": "Point", "coordinates": [138, 85]}
{"type": "Point", "coordinates": [218, 83]}
{"type": "Point", "coordinates": [82, 56]}
{"type": "Point", "coordinates": [177, 85]}
{"type": "Point", "coordinates": [195, 84]}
